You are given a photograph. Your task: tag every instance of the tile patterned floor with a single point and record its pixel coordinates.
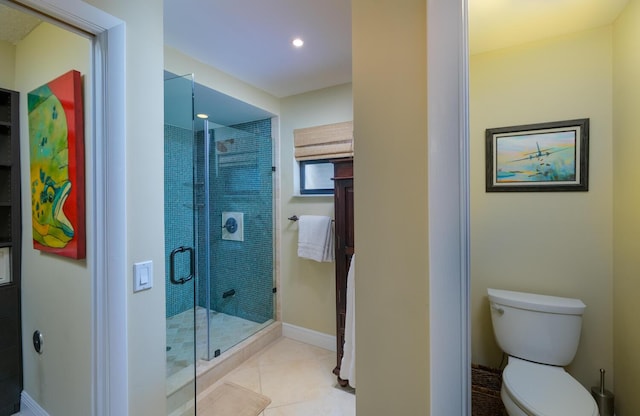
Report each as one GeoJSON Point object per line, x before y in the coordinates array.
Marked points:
{"type": "Point", "coordinates": [226, 331]}
{"type": "Point", "coordinates": [298, 379]}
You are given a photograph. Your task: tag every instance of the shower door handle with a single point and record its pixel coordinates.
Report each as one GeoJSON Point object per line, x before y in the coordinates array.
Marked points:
{"type": "Point", "coordinates": [172, 265]}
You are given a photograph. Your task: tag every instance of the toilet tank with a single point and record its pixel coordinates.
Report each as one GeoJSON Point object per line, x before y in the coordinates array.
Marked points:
{"type": "Point", "coordinates": [539, 328]}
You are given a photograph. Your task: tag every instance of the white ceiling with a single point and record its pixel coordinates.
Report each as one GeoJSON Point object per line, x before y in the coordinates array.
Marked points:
{"type": "Point", "coordinates": [251, 40]}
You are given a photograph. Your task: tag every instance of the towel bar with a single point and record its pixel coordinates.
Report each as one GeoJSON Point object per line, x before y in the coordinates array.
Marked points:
{"type": "Point", "coordinates": [295, 218]}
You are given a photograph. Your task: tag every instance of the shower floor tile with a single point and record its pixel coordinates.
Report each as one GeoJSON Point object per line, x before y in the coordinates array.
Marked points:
{"type": "Point", "coordinates": [225, 331]}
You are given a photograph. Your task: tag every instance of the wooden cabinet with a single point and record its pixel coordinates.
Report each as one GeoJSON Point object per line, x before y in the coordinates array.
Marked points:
{"type": "Point", "coordinates": [344, 247]}
{"type": "Point", "coordinates": [10, 245]}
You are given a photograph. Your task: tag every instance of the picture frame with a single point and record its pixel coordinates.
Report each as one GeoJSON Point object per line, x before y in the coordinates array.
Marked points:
{"type": "Point", "coordinates": [542, 157]}
{"type": "Point", "coordinates": [56, 146]}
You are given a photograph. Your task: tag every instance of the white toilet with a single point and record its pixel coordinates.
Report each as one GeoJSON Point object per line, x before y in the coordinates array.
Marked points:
{"type": "Point", "coordinates": [540, 334]}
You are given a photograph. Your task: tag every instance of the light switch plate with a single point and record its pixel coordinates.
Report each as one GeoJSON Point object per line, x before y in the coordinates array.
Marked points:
{"type": "Point", "coordinates": [142, 276]}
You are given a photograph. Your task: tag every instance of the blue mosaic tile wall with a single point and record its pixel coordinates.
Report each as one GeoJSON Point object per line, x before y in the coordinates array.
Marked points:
{"type": "Point", "coordinates": [241, 180]}
{"type": "Point", "coordinates": [178, 210]}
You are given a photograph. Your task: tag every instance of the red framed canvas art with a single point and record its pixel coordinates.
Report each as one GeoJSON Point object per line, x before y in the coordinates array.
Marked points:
{"type": "Point", "coordinates": [56, 145]}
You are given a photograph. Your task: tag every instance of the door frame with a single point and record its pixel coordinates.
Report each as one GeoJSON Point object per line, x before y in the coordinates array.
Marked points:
{"type": "Point", "coordinates": [109, 347]}
{"type": "Point", "coordinates": [449, 216]}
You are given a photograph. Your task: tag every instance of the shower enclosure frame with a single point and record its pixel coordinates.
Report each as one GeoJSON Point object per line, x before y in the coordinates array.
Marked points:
{"type": "Point", "coordinates": [207, 226]}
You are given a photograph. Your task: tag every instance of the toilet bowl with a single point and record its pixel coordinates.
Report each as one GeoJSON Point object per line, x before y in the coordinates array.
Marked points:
{"type": "Point", "coordinates": [542, 390]}
{"type": "Point", "coordinates": [540, 334]}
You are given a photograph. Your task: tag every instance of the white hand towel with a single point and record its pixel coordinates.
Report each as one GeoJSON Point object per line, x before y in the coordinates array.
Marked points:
{"type": "Point", "coordinates": [348, 364]}
{"type": "Point", "coordinates": [315, 238]}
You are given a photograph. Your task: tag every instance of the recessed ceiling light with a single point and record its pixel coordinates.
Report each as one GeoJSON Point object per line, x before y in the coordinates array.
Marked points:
{"type": "Point", "coordinates": [297, 42]}
{"type": "Point", "coordinates": [202, 116]}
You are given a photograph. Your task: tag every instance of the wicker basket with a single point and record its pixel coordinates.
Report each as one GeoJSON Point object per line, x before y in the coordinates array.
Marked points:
{"type": "Point", "coordinates": [485, 391]}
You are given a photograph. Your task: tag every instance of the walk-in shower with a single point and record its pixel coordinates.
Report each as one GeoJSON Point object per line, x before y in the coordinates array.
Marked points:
{"type": "Point", "coordinates": [219, 239]}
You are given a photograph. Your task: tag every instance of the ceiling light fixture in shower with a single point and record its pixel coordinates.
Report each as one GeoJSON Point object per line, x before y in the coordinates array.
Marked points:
{"type": "Point", "coordinates": [297, 42]}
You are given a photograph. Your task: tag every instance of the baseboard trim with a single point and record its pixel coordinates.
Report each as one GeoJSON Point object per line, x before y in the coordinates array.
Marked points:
{"type": "Point", "coordinates": [29, 407]}
{"type": "Point", "coordinates": [309, 336]}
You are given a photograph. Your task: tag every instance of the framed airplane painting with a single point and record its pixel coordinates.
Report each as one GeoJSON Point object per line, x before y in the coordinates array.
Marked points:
{"type": "Point", "coordinates": [56, 146]}
{"type": "Point", "coordinates": [541, 157]}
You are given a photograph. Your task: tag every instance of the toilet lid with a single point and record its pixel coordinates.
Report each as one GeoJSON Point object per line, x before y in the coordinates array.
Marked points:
{"type": "Point", "coordinates": [546, 390]}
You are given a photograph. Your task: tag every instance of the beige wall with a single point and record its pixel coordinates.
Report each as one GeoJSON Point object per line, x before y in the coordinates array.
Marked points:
{"type": "Point", "coordinates": [7, 65]}
{"type": "Point", "coordinates": [626, 308]}
{"type": "Point", "coordinates": [56, 291]}
{"type": "Point", "coordinates": [390, 130]}
{"type": "Point", "coordinates": [307, 287]}
{"type": "Point", "coordinates": [145, 199]}
{"type": "Point", "coordinates": [551, 243]}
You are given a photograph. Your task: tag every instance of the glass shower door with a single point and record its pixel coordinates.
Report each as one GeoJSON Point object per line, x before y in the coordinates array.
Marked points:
{"type": "Point", "coordinates": [235, 286]}
{"type": "Point", "coordinates": [180, 187]}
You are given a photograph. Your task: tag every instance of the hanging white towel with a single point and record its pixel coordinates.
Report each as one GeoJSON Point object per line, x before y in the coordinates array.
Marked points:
{"type": "Point", "coordinates": [348, 364]}
{"type": "Point", "coordinates": [315, 238]}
